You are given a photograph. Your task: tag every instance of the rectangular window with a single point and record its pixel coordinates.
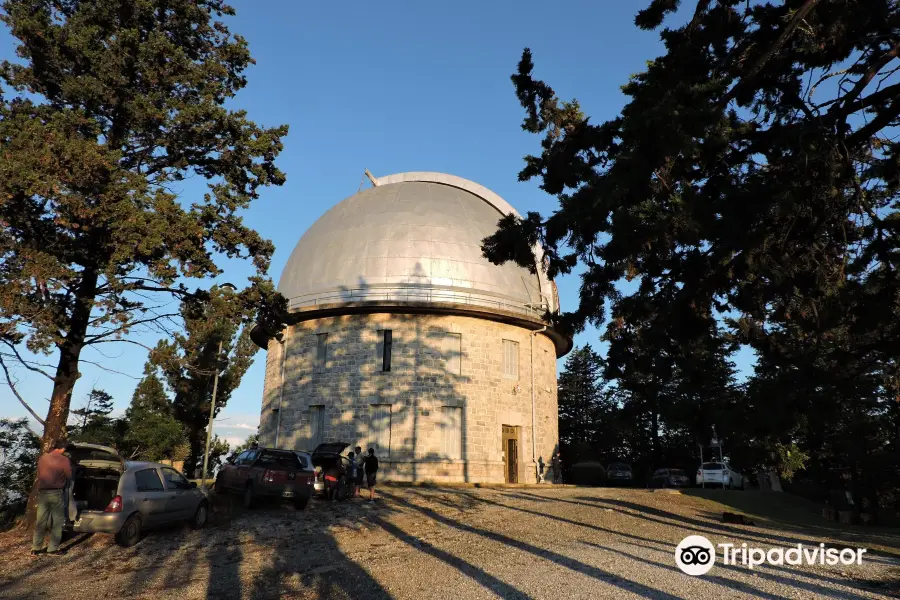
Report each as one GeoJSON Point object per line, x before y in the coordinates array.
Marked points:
{"type": "Point", "coordinates": [452, 350]}
{"type": "Point", "coordinates": [380, 429]}
{"type": "Point", "coordinates": [148, 481]}
{"type": "Point", "coordinates": [303, 460]}
{"type": "Point", "coordinates": [451, 424]}
{"type": "Point", "coordinates": [385, 347]}
{"type": "Point", "coordinates": [279, 460]}
{"type": "Point", "coordinates": [248, 457]}
{"type": "Point", "coordinates": [321, 352]}
{"type": "Point", "coordinates": [316, 426]}
{"type": "Point", "coordinates": [175, 480]}
{"type": "Point", "coordinates": [510, 359]}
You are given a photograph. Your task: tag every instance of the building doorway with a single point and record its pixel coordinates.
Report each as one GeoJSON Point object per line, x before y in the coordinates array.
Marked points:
{"type": "Point", "coordinates": [511, 453]}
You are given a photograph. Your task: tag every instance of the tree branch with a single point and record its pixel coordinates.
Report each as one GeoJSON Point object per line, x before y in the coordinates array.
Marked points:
{"type": "Point", "coordinates": [870, 74]}
{"type": "Point", "coordinates": [761, 62]}
{"type": "Point", "coordinates": [883, 119]}
{"type": "Point", "coordinates": [15, 392]}
{"type": "Point", "coordinates": [26, 363]}
{"type": "Point", "coordinates": [92, 339]}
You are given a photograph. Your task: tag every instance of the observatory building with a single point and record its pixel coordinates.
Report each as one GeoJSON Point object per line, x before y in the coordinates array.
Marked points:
{"type": "Point", "coordinates": [402, 337]}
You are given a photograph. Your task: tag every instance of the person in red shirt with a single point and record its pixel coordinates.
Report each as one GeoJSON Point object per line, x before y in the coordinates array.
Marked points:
{"type": "Point", "coordinates": [53, 470]}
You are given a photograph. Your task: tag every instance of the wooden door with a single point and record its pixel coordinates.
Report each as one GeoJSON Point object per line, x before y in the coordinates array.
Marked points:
{"type": "Point", "coordinates": [511, 453]}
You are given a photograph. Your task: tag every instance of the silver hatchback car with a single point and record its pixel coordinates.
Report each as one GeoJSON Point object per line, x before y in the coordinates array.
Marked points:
{"type": "Point", "coordinates": [124, 498]}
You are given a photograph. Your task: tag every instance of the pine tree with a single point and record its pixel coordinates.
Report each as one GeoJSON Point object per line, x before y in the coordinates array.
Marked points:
{"type": "Point", "coordinates": [149, 397]}
{"type": "Point", "coordinates": [189, 361]}
{"type": "Point", "coordinates": [112, 104]}
{"type": "Point", "coordinates": [153, 432]}
{"type": "Point", "coordinates": [586, 408]}
{"type": "Point", "coordinates": [579, 396]}
{"type": "Point", "coordinates": [753, 176]}
{"type": "Point", "coordinates": [94, 423]}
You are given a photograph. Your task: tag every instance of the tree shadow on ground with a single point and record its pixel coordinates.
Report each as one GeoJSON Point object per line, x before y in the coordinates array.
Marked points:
{"type": "Point", "coordinates": [820, 586]}
{"type": "Point", "coordinates": [482, 577]}
{"type": "Point", "coordinates": [542, 553]}
{"type": "Point", "coordinates": [668, 549]}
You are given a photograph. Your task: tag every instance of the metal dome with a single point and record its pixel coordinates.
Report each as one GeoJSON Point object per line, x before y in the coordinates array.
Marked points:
{"type": "Point", "coordinates": [411, 238]}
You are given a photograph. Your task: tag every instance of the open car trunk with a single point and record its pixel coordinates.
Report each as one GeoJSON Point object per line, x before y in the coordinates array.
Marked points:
{"type": "Point", "coordinates": [95, 471]}
{"type": "Point", "coordinates": [94, 488]}
{"type": "Point", "coordinates": [328, 456]}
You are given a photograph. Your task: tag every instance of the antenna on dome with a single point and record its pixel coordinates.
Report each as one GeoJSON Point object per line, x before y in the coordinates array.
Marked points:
{"type": "Point", "coordinates": [371, 177]}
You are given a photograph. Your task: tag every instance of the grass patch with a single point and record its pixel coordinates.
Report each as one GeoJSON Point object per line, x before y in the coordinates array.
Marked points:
{"type": "Point", "coordinates": [783, 511]}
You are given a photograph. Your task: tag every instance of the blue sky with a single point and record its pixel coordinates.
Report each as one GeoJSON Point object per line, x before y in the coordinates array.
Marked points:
{"type": "Point", "coordinates": [392, 87]}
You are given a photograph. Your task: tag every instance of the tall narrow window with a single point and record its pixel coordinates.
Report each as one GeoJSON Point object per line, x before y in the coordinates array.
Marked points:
{"type": "Point", "coordinates": [451, 424]}
{"type": "Point", "coordinates": [385, 347]}
{"type": "Point", "coordinates": [452, 350]}
{"type": "Point", "coordinates": [510, 359]}
{"type": "Point", "coordinates": [316, 426]}
{"type": "Point", "coordinates": [380, 429]}
{"type": "Point", "coordinates": [321, 352]}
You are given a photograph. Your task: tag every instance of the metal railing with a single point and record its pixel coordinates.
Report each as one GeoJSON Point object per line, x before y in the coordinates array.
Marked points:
{"type": "Point", "coordinates": [416, 294]}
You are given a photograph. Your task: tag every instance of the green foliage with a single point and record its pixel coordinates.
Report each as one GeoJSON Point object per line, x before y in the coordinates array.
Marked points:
{"type": "Point", "coordinates": [19, 449]}
{"type": "Point", "coordinates": [752, 177]}
{"type": "Point", "coordinates": [587, 408]}
{"type": "Point", "coordinates": [218, 450]}
{"type": "Point", "coordinates": [155, 436]}
{"type": "Point", "coordinates": [790, 459]}
{"type": "Point", "coordinates": [153, 432]}
{"type": "Point", "coordinates": [149, 396]}
{"type": "Point", "coordinates": [111, 105]}
{"type": "Point", "coordinates": [94, 423]}
{"type": "Point", "coordinates": [190, 360]}
{"type": "Point", "coordinates": [247, 444]}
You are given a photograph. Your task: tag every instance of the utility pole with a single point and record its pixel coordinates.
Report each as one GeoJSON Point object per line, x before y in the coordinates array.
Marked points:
{"type": "Point", "coordinates": [212, 404]}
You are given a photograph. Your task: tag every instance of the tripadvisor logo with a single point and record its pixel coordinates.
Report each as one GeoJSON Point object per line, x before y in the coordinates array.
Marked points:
{"type": "Point", "coordinates": [696, 555]}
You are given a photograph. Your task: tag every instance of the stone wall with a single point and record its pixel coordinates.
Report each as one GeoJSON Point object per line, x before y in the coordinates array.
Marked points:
{"type": "Point", "coordinates": [429, 406]}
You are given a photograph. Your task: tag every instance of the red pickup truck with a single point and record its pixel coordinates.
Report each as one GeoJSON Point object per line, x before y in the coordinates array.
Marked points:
{"type": "Point", "coordinates": [267, 472]}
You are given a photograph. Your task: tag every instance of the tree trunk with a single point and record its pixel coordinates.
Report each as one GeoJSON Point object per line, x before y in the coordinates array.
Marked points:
{"type": "Point", "coordinates": [66, 376]}
{"type": "Point", "coordinates": [197, 444]}
{"type": "Point", "coordinates": [855, 491]}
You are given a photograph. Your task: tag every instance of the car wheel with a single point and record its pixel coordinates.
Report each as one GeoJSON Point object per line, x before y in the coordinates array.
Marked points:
{"type": "Point", "coordinates": [198, 521]}
{"type": "Point", "coordinates": [248, 496]}
{"type": "Point", "coordinates": [130, 534]}
{"type": "Point", "coordinates": [300, 503]}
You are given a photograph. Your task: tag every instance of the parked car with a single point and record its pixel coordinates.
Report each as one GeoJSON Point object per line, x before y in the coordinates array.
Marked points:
{"type": "Point", "coordinates": [331, 468]}
{"type": "Point", "coordinates": [125, 499]}
{"type": "Point", "coordinates": [663, 478]}
{"type": "Point", "coordinates": [719, 473]}
{"type": "Point", "coordinates": [267, 472]}
{"type": "Point", "coordinates": [619, 473]}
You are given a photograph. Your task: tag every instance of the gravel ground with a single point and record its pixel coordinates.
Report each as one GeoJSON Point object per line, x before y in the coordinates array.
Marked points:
{"type": "Point", "coordinates": [440, 543]}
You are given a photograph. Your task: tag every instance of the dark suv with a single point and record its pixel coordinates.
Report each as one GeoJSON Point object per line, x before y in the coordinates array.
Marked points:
{"type": "Point", "coordinates": [267, 472]}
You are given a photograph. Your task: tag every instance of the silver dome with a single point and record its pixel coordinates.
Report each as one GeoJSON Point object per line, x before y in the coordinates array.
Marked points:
{"type": "Point", "coordinates": [413, 237]}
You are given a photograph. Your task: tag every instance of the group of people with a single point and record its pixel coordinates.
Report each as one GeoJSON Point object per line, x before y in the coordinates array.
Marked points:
{"type": "Point", "coordinates": [362, 469]}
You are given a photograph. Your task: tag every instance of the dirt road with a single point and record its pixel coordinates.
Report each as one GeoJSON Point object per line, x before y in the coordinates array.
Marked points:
{"type": "Point", "coordinates": [439, 543]}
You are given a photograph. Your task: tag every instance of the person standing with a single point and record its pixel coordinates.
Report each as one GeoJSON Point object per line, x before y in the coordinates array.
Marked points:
{"type": "Point", "coordinates": [556, 466]}
{"type": "Point", "coordinates": [53, 471]}
{"type": "Point", "coordinates": [370, 465]}
{"type": "Point", "coordinates": [359, 470]}
{"type": "Point", "coordinates": [351, 473]}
